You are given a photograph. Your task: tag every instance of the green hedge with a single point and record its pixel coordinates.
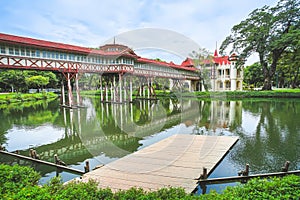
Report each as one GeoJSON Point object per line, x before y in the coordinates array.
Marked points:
{"type": "Point", "coordinates": [21, 183]}
{"type": "Point", "coordinates": [18, 97]}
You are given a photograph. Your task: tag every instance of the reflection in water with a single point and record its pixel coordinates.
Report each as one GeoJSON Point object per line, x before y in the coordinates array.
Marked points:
{"type": "Point", "coordinates": [268, 130]}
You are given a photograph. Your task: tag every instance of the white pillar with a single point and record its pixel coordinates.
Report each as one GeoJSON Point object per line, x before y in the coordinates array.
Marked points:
{"type": "Point", "coordinates": [106, 93]}
{"type": "Point", "coordinates": [111, 92]}
{"type": "Point", "coordinates": [171, 84]}
{"type": "Point", "coordinates": [63, 93]}
{"type": "Point", "coordinates": [114, 86]}
{"type": "Point", "coordinates": [101, 89]}
{"type": "Point", "coordinates": [69, 90]}
{"type": "Point", "coordinates": [125, 89]}
{"type": "Point", "coordinates": [120, 87]}
{"type": "Point", "coordinates": [130, 87]}
{"type": "Point", "coordinates": [77, 89]}
{"type": "Point", "coordinates": [148, 84]}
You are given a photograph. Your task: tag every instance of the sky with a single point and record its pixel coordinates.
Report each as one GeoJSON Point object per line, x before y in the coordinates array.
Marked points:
{"type": "Point", "coordinates": [92, 23]}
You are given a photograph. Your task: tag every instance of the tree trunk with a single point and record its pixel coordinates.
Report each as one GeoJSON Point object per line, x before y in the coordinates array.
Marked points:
{"type": "Point", "coordinates": [267, 84]}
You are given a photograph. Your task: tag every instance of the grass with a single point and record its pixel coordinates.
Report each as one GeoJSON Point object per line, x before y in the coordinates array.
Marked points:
{"type": "Point", "coordinates": [7, 98]}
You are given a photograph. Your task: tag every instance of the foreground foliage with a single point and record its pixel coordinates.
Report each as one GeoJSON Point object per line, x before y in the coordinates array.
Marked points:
{"type": "Point", "coordinates": [21, 183]}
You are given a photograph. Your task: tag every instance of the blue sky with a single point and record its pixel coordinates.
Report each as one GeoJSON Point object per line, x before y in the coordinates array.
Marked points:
{"type": "Point", "coordinates": [92, 22]}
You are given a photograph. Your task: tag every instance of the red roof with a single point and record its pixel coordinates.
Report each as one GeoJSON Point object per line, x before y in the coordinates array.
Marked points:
{"type": "Point", "coordinates": [59, 46]}
{"type": "Point", "coordinates": [186, 65]}
{"type": "Point", "coordinates": [42, 43]}
{"type": "Point", "coordinates": [166, 64]}
{"type": "Point", "coordinates": [188, 62]}
{"type": "Point", "coordinates": [221, 60]}
{"type": "Point", "coordinates": [216, 53]}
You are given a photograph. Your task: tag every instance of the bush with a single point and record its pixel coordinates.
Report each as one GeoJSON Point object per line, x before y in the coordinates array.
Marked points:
{"type": "Point", "coordinates": [13, 178]}
{"type": "Point", "coordinates": [21, 183]}
{"type": "Point", "coordinates": [287, 187]}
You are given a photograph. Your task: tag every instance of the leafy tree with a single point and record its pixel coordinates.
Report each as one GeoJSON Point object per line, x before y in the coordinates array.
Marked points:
{"type": "Point", "coordinates": [13, 79]}
{"type": "Point", "coordinates": [253, 75]}
{"type": "Point", "coordinates": [288, 73]}
{"type": "Point", "coordinates": [201, 59]}
{"type": "Point", "coordinates": [268, 31]}
{"type": "Point", "coordinates": [37, 81]}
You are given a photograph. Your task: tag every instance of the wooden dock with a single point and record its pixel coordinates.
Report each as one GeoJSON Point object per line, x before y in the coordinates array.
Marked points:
{"type": "Point", "coordinates": [173, 162]}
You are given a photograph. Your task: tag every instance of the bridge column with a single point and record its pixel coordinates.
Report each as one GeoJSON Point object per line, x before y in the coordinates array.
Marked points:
{"type": "Point", "coordinates": [101, 89]}
{"type": "Point", "coordinates": [125, 89]}
{"type": "Point", "coordinates": [148, 84]}
{"type": "Point", "coordinates": [63, 99]}
{"type": "Point", "coordinates": [120, 88]}
{"type": "Point", "coordinates": [77, 89]}
{"type": "Point", "coordinates": [106, 92]}
{"type": "Point", "coordinates": [130, 88]}
{"type": "Point", "coordinates": [114, 88]}
{"type": "Point", "coordinates": [111, 92]}
{"type": "Point", "coordinates": [69, 90]}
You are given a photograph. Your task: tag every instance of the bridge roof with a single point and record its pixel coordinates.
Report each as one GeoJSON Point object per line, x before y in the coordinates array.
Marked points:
{"type": "Point", "coordinates": [103, 51]}
{"type": "Point", "coordinates": [42, 43]}
{"type": "Point", "coordinates": [13, 39]}
{"type": "Point", "coordinates": [166, 64]}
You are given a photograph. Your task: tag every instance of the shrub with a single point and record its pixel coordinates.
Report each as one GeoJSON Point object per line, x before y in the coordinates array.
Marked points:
{"type": "Point", "coordinates": [13, 178]}
{"type": "Point", "coordinates": [21, 183]}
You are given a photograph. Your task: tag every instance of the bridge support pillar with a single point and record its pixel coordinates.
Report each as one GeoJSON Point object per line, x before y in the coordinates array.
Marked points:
{"type": "Point", "coordinates": [69, 89]}
{"type": "Point", "coordinates": [130, 88]}
{"type": "Point", "coordinates": [77, 89]}
{"type": "Point", "coordinates": [120, 89]}
{"type": "Point", "coordinates": [106, 92]}
{"type": "Point", "coordinates": [101, 89]}
{"type": "Point", "coordinates": [63, 99]}
{"type": "Point", "coordinates": [114, 89]}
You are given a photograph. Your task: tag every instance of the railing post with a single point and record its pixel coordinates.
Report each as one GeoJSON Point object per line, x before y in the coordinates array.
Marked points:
{"type": "Point", "coordinates": [285, 168]}
{"type": "Point", "coordinates": [203, 176]}
{"type": "Point", "coordinates": [244, 173]}
{"type": "Point", "coordinates": [87, 166]}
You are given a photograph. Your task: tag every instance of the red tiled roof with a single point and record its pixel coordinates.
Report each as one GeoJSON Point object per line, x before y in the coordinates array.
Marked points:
{"type": "Point", "coordinates": [221, 60]}
{"type": "Point", "coordinates": [58, 46]}
{"type": "Point", "coordinates": [166, 64]}
{"type": "Point", "coordinates": [188, 62]}
{"type": "Point", "coordinates": [216, 53]}
{"type": "Point", "coordinates": [186, 65]}
{"type": "Point", "coordinates": [42, 43]}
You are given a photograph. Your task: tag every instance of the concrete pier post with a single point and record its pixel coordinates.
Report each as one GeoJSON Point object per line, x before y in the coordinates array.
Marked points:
{"type": "Point", "coordinates": [120, 88]}
{"type": "Point", "coordinates": [125, 89]}
{"type": "Point", "coordinates": [106, 93]}
{"type": "Point", "coordinates": [130, 88]}
{"type": "Point", "coordinates": [63, 99]}
{"type": "Point", "coordinates": [148, 84]}
{"type": "Point", "coordinates": [101, 89]}
{"type": "Point", "coordinates": [111, 92]}
{"type": "Point", "coordinates": [69, 90]}
{"type": "Point", "coordinates": [77, 89]}
{"type": "Point", "coordinates": [114, 90]}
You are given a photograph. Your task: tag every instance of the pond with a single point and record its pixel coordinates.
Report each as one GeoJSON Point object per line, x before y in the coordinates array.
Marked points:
{"type": "Point", "coordinates": [268, 130]}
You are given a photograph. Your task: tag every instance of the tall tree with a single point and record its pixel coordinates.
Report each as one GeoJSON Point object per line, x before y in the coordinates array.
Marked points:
{"type": "Point", "coordinates": [37, 81]}
{"type": "Point", "coordinates": [268, 31]}
{"type": "Point", "coordinates": [201, 59]}
{"type": "Point", "coordinates": [253, 75]}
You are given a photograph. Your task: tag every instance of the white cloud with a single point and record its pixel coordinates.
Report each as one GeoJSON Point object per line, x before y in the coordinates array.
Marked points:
{"type": "Point", "coordinates": [91, 22]}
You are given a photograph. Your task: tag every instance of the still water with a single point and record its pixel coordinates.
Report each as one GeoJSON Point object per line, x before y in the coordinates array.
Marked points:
{"type": "Point", "coordinates": [268, 130]}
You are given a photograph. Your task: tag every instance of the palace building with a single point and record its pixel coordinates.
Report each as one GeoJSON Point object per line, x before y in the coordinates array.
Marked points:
{"type": "Point", "coordinates": [223, 72]}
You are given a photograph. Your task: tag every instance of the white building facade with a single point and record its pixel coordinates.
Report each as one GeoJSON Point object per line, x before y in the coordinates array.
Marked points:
{"type": "Point", "coordinates": [225, 75]}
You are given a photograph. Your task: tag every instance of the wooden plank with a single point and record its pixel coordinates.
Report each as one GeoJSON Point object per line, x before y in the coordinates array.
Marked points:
{"type": "Point", "coordinates": [173, 162]}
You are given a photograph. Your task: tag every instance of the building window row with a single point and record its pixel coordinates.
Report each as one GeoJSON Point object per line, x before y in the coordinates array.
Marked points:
{"type": "Point", "coordinates": [155, 68]}
{"type": "Point", "coordinates": [40, 53]}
